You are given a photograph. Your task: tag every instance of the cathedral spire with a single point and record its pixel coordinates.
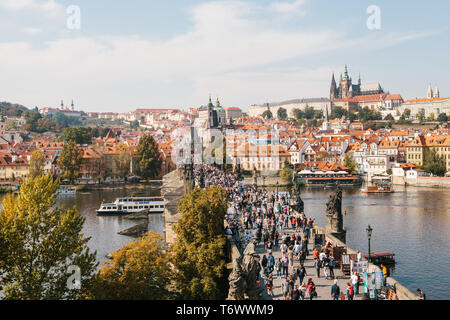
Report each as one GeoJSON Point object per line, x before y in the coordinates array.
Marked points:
{"type": "Point", "coordinates": [218, 102]}
{"type": "Point", "coordinates": [436, 93]}
{"type": "Point", "coordinates": [346, 77]}
{"type": "Point", "coordinates": [430, 92]}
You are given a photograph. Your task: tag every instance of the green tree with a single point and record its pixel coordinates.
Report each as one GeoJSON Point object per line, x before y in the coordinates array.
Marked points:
{"type": "Point", "coordinates": [69, 161]}
{"type": "Point", "coordinates": [148, 158]}
{"type": "Point", "coordinates": [338, 112]}
{"type": "Point", "coordinates": [421, 116]}
{"type": "Point", "coordinates": [39, 243]}
{"type": "Point", "coordinates": [199, 253]}
{"type": "Point", "coordinates": [442, 117]}
{"type": "Point", "coordinates": [299, 114]}
{"type": "Point", "coordinates": [138, 271]}
{"type": "Point", "coordinates": [318, 114]}
{"type": "Point", "coordinates": [37, 163]}
{"type": "Point", "coordinates": [309, 113]}
{"type": "Point", "coordinates": [389, 117]}
{"type": "Point", "coordinates": [433, 163]}
{"type": "Point", "coordinates": [282, 114]}
{"type": "Point", "coordinates": [267, 115]}
{"type": "Point", "coordinates": [286, 175]}
{"type": "Point", "coordinates": [351, 164]}
{"type": "Point", "coordinates": [80, 135]}
{"type": "Point", "coordinates": [406, 114]}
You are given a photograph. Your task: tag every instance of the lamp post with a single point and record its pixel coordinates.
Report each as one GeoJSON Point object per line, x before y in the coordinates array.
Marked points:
{"type": "Point", "coordinates": [369, 236]}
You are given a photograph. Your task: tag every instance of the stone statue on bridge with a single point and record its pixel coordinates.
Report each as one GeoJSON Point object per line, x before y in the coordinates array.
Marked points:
{"type": "Point", "coordinates": [334, 215]}
{"type": "Point", "coordinates": [243, 279]}
{"type": "Point", "coordinates": [299, 205]}
{"type": "Point", "coordinates": [255, 176]}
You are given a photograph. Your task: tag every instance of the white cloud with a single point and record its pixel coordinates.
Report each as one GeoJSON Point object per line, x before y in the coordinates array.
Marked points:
{"type": "Point", "coordinates": [32, 31]}
{"type": "Point", "coordinates": [48, 7]}
{"type": "Point", "coordinates": [287, 7]}
{"type": "Point", "coordinates": [218, 55]}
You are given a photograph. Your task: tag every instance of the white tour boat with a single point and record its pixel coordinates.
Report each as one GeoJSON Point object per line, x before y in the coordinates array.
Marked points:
{"type": "Point", "coordinates": [66, 191]}
{"type": "Point", "coordinates": [132, 205]}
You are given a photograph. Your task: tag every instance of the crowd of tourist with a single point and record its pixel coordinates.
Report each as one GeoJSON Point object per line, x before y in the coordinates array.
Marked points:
{"type": "Point", "coordinates": [268, 217]}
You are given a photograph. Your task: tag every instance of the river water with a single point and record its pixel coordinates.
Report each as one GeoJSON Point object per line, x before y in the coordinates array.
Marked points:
{"type": "Point", "coordinates": [414, 223]}
{"type": "Point", "coordinates": [103, 230]}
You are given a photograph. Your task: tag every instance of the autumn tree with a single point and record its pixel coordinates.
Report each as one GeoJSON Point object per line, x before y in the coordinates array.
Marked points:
{"type": "Point", "coordinates": [42, 246]}
{"type": "Point", "coordinates": [99, 169]}
{"type": "Point", "coordinates": [351, 164]}
{"type": "Point", "coordinates": [199, 253]}
{"type": "Point", "coordinates": [70, 161]}
{"type": "Point", "coordinates": [123, 160]}
{"type": "Point", "coordinates": [79, 135]}
{"type": "Point", "coordinates": [37, 163]}
{"type": "Point", "coordinates": [148, 158]}
{"type": "Point", "coordinates": [138, 271]}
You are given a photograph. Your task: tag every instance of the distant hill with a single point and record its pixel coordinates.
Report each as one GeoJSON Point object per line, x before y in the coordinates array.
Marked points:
{"type": "Point", "coordinates": [12, 109]}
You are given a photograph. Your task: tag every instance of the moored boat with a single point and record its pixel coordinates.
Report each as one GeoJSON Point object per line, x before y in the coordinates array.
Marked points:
{"type": "Point", "coordinates": [132, 205]}
{"type": "Point", "coordinates": [379, 185]}
{"type": "Point", "coordinates": [66, 191]}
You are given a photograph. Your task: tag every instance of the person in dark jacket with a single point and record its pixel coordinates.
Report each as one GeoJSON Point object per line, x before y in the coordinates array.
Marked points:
{"type": "Point", "coordinates": [301, 273]}
{"type": "Point", "coordinates": [295, 295]}
{"type": "Point", "coordinates": [335, 290]}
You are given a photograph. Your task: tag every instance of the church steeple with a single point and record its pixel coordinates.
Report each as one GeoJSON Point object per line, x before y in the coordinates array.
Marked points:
{"type": "Point", "coordinates": [346, 77]}
{"type": "Point", "coordinates": [430, 92]}
{"type": "Point", "coordinates": [436, 93]}
{"type": "Point", "coordinates": [333, 88]}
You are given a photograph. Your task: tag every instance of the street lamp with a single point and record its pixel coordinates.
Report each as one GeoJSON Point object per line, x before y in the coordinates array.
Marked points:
{"type": "Point", "coordinates": [277, 188]}
{"type": "Point", "coordinates": [369, 236]}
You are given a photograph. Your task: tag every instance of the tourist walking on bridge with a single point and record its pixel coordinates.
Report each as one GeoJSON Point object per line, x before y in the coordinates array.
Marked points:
{"type": "Point", "coordinates": [335, 290]}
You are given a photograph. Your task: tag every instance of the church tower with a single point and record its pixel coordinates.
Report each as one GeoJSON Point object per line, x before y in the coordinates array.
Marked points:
{"type": "Point", "coordinates": [333, 89]}
{"type": "Point", "coordinates": [326, 126]}
{"type": "Point", "coordinates": [436, 93]}
{"type": "Point", "coordinates": [430, 93]}
{"type": "Point", "coordinates": [209, 121]}
{"type": "Point", "coordinates": [345, 85]}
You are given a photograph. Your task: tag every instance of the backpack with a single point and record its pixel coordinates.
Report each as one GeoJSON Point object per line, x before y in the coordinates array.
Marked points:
{"type": "Point", "coordinates": [350, 291]}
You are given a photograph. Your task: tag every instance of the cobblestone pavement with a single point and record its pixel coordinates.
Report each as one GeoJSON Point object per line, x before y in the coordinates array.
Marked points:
{"type": "Point", "coordinates": [323, 286]}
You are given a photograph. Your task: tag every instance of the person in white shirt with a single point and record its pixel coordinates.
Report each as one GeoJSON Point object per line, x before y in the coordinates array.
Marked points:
{"type": "Point", "coordinates": [322, 256]}
{"type": "Point", "coordinates": [355, 282]}
{"type": "Point", "coordinates": [359, 255]}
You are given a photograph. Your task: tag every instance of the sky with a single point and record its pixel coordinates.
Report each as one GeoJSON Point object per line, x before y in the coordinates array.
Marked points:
{"type": "Point", "coordinates": [118, 56]}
